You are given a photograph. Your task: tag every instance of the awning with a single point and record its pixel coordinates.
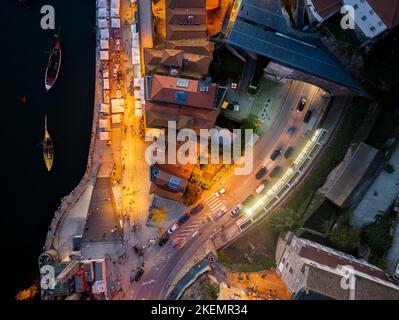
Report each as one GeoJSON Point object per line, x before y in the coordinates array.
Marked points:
{"type": "Point", "coordinates": [138, 112]}
{"type": "Point", "coordinates": [116, 4]}
{"type": "Point", "coordinates": [138, 82]}
{"type": "Point", "coordinates": [136, 55]}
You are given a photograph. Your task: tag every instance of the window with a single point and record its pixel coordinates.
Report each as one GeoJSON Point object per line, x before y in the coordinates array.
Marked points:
{"type": "Point", "coordinates": [373, 29]}
{"type": "Point", "coordinates": [355, 6]}
{"type": "Point", "coordinates": [364, 18]}
{"type": "Point", "coordinates": [371, 12]}
{"type": "Point", "coordinates": [180, 96]}
{"type": "Point", "coordinates": [183, 83]}
{"type": "Point", "coordinates": [380, 23]}
{"type": "Point", "coordinates": [291, 270]}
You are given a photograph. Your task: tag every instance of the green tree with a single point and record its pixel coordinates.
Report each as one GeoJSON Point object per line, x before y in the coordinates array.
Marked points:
{"type": "Point", "coordinates": [345, 238]}
{"type": "Point", "coordinates": [284, 220]}
{"type": "Point", "coordinates": [376, 235]}
{"type": "Point", "coordinates": [192, 194]}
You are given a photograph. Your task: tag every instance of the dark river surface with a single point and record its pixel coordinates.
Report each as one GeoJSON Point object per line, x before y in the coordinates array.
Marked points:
{"type": "Point", "coordinates": [30, 194]}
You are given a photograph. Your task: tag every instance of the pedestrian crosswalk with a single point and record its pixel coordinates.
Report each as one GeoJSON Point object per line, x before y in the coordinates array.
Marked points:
{"type": "Point", "coordinates": [215, 204]}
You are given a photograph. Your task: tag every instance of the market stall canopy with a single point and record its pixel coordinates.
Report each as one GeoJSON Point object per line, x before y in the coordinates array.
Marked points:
{"type": "Point", "coordinates": [116, 4]}
{"type": "Point", "coordinates": [106, 84]}
{"type": "Point", "coordinates": [104, 55]}
{"type": "Point", "coordinates": [116, 23]}
{"type": "Point", "coordinates": [104, 44]}
{"type": "Point", "coordinates": [101, 3]}
{"type": "Point", "coordinates": [105, 108]}
{"type": "Point", "coordinates": [103, 23]}
{"type": "Point", "coordinates": [104, 136]}
{"type": "Point", "coordinates": [104, 34]}
{"type": "Point", "coordinates": [136, 55]}
{"type": "Point", "coordinates": [103, 123]}
{"type": "Point", "coordinates": [114, 13]}
{"type": "Point", "coordinates": [116, 118]}
{"type": "Point", "coordinates": [102, 13]}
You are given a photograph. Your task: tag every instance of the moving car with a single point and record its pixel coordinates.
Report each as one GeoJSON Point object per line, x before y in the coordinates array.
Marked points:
{"type": "Point", "coordinates": [237, 210]}
{"type": "Point", "coordinates": [220, 192]}
{"type": "Point", "coordinates": [307, 117]}
{"type": "Point", "coordinates": [301, 105]}
{"type": "Point", "coordinates": [139, 274]}
{"type": "Point", "coordinates": [172, 228]}
{"type": "Point", "coordinates": [275, 154]}
{"type": "Point", "coordinates": [197, 209]}
{"type": "Point", "coordinates": [261, 173]}
{"type": "Point", "coordinates": [183, 218]}
{"type": "Point", "coordinates": [291, 131]}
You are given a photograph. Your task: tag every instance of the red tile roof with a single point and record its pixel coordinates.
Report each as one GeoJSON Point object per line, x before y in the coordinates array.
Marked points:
{"type": "Point", "coordinates": [387, 10]}
{"type": "Point", "coordinates": [164, 89]}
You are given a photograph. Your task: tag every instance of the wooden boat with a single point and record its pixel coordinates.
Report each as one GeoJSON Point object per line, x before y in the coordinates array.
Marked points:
{"type": "Point", "coordinates": [48, 147]}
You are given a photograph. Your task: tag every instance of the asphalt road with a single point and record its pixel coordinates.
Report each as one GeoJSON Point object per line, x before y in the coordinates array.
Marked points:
{"type": "Point", "coordinates": [163, 264]}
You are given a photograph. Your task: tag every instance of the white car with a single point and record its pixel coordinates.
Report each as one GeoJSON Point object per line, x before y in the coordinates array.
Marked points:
{"type": "Point", "coordinates": [260, 188]}
{"type": "Point", "coordinates": [173, 228]}
{"type": "Point", "coordinates": [216, 216]}
{"type": "Point", "coordinates": [237, 210]}
{"type": "Point", "coordinates": [220, 192]}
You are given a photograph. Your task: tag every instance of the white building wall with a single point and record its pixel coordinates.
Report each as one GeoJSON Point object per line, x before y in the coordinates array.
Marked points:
{"type": "Point", "coordinates": [366, 19]}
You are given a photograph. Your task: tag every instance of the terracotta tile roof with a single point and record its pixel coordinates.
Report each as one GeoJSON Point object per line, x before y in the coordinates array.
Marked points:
{"type": "Point", "coordinates": [157, 115]}
{"type": "Point", "coordinates": [387, 10]}
{"type": "Point", "coordinates": [195, 46]}
{"type": "Point", "coordinates": [193, 63]}
{"type": "Point", "coordinates": [326, 8]}
{"type": "Point", "coordinates": [184, 32]}
{"type": "Point", "coordinates": [180, 15]}
{"type": "Point", "coordinates": [166, 89]}
{"type": "Point", "coordinates": [172, 58]}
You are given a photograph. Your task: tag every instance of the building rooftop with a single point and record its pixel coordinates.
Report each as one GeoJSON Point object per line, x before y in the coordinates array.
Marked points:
{"type": "Point", "coordinates": [387, 10]}
{"type": "Point", "coordinates": [326, 8]}
{"type": "Point", "coordinates": [183, 91]}
{"type": "Point", "coordinates": [263, 30]}
{"type": "Point", "coordinates": [359, 166]}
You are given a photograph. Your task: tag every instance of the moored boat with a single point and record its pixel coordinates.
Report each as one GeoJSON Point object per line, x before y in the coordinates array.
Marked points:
{"type": "Point", "coordinates": [48, 147]}
{"type": "Point", "coordinates": [53, 65]}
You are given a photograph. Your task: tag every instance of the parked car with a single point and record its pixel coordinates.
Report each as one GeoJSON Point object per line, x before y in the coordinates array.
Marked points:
{"type": "Point", "coordinates": [220, 192]}
{"type": "Point", "coordinates": [301, 105]}
{"type": "Point", "coordinates": [261, 173]}
{"type": "Point", "coordinates": [260, 188]}
{"type": "Point", "coordinates": [165, 238]}
{"type": "Point", "coordinates": [288, 152]}
{"type": "Point", "coordinates": [197, 209]}
{"type": "Point", "coordinates": [307, 117]}
{"type": "Point", "coordinates": [183, 218]}
{"type": "Point", "coordinates": [172, 228]}
{"type": "Point", "coordinates": [291, 131]}
{"type": "Point", "coordinates": [237, 210]}
{"type": "Point", "coordinates": [139, 274]}
{"type": "Point", "coordinates": [275, 154]}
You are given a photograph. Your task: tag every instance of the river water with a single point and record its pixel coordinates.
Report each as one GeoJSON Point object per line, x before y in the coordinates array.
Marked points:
{"type": "Point", "coordinates": [30, 194]}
